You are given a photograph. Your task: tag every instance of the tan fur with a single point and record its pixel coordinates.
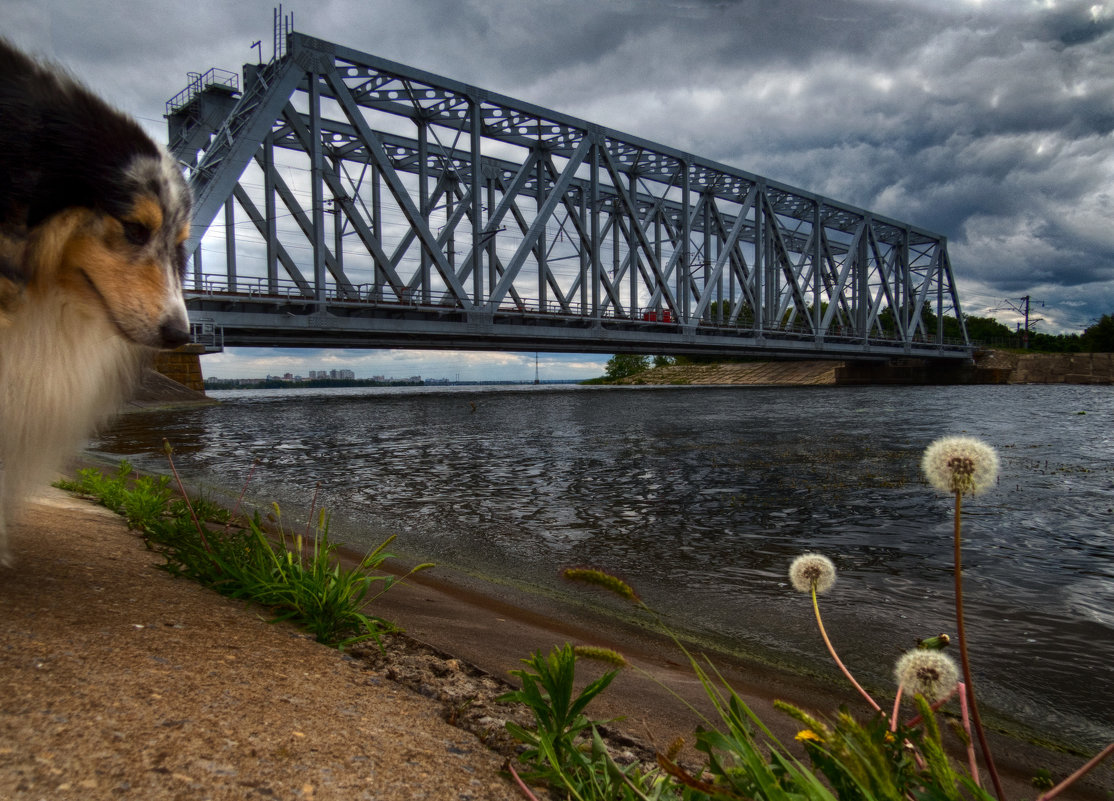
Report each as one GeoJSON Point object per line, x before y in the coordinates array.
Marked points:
{"type": "Point", "coordinates": [48, 413]}
{"type": "Point", "coordinates": [73, 345]}
{"type": "Point", "coordinates": [85, 253]}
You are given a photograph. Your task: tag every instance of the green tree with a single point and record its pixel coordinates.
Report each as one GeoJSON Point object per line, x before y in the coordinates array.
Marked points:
{"type": "Point", "coordinates": [986, 329]}
{"type": "Point", "coordinates": [1099, 337]}
{"type": "Point", "coordinates": [622, 365]}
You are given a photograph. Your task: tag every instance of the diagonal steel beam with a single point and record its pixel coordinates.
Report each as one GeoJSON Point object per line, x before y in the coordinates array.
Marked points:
{"type": "Point", "coordinates": [260, 222]}
{"type": "Point", "coordinates": [236, 142]}
{"type": "Point", "coordinates": [643, 241]}
{"type": "Point", "coordinates": [495, 216]}
{"type": "Point", "coordinates": [544, 213]}
{"type": "Point", "coordinates": [726, 248]}
{"type": "Point", "coordinates": [394, 183]}
{"type": "Point", "coordinates": [298, 214]}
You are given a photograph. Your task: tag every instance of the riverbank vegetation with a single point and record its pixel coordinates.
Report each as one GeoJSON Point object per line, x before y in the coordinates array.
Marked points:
{"type": "Point", "coordinates": [296, 575]}
{"type": "Point", "coordinates": [891, 756]}
{"type": "Point", "coordinates": [982, 331]}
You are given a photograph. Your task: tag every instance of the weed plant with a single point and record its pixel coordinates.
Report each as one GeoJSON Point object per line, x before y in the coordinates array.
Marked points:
{"type": "Point", "coordinates": [565, 749]}
{"type": "Point", "coordinates": [297, 576]}
{"type": "Point", "coordinates": [882, 758]}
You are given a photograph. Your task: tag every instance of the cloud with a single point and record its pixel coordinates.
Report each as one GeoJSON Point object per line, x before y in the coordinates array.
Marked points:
{"type": "Point", "coordinates": [990, 122]}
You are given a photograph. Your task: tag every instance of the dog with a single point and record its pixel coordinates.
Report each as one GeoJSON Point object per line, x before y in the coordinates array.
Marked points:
{"type": "Point", "coordinates": [93, 220]}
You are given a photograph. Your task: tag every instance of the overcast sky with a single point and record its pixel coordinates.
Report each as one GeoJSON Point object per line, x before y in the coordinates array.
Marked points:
{"type": "Point", "coordinates": [989, 122]}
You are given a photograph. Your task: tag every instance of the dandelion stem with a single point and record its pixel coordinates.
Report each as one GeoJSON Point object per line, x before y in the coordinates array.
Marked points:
{"type": "Point", "coordinates": [835, 656]}
{"type": "Point", "coordinates": [897, 709]}
{"type": "Point", "coordinates": [935, 707]}
{"type": "Point", "coordinates": [521, 784]}
{"type": "Point", "coordinates": [243, 489]}
{"type": "Point", "coordinates": [972, 764]}
{"type": "Point", "coordinates": [970, 687]}
{"type": "Point", "coordinates": [312, 507]}
{"type": "Point", "coordinates": [1099, 757]}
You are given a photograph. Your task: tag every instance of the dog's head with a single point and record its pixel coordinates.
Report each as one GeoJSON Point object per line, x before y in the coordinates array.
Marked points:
{"type": "Point", "coordinates": [92, 207]}
{"type": "Point", "coordinates": [124, 256]}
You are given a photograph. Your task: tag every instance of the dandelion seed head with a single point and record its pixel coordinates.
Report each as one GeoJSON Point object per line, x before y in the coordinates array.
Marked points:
{"type": "Point", "coordinates": [812, 569]}
{"type": "Point", "coordinates": [932, 674]}
{"type": "Point", "coordinates": [960, 464]}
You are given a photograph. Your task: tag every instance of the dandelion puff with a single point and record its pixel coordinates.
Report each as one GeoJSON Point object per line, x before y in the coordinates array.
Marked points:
{"type": "Point", "coordinates": [812, 569]}
{"type": "Point", "coordinates": [932, 674]}
{"type": "Point", "coordinates": [960, 464]}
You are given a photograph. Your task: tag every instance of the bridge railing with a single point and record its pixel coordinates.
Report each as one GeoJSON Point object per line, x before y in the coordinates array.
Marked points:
{"type": "Point", "coordinates": [199, 82]}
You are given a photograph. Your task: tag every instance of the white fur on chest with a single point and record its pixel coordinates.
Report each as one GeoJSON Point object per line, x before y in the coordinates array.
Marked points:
{"type": "Point", "coordinates": [62, 375]}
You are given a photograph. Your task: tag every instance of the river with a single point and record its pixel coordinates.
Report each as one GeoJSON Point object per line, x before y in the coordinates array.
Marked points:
{"type": "Point", "coordinates": [700, 498]}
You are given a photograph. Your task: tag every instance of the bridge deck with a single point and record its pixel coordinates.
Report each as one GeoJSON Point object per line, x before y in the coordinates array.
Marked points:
{"type": "Point", "coordinates": [247, 319]}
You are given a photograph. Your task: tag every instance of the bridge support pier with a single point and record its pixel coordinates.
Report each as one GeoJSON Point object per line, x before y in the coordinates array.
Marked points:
{"type": "Point", "coordinates": [182, 365]}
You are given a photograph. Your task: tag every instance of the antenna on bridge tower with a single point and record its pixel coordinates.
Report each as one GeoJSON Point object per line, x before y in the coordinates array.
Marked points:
{"type": "Point", "coordinates": [283, 25]}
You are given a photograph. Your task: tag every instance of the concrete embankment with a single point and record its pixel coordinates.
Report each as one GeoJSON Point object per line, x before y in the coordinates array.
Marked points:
{"type": "Point", "coordinates": [990, 367]}
{"type": "Point", "coordinates": [1050, 368]}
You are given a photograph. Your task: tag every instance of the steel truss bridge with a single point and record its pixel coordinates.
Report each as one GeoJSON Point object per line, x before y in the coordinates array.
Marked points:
{"type": "Point", "coordinates": [345, 200]}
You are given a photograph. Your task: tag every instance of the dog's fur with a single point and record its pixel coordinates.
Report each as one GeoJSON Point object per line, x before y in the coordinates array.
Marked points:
{"type": "Point", "coordinates": [93, 218]}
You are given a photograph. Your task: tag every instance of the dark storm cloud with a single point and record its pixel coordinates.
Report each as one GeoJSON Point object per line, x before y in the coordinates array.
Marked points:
{"type": "Point", "coordinates": [990, 122]}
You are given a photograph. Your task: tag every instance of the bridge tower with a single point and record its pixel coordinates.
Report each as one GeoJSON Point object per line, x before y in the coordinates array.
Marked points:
{"type": "Point", "coordinates": [343, 199]}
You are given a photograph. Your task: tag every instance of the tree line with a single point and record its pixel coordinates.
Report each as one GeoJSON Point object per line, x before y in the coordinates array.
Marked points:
{"type": "Point", "coordinates": [985, 331]}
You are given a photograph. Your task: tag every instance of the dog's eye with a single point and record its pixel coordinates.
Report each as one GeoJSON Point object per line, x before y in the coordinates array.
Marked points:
{"type": "Point", "coordinates": [136, 233]}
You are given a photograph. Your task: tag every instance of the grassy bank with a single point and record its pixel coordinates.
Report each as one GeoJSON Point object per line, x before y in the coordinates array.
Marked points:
{"type": "Point", "coordinates": [295, 575]}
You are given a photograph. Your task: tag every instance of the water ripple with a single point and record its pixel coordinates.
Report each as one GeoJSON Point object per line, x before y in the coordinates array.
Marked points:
{"type": "Point", "coordinates": [702, 496]}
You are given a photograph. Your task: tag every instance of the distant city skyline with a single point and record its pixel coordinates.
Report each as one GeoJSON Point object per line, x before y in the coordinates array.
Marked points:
{"type": "Point", "coordinates": [451, 365]}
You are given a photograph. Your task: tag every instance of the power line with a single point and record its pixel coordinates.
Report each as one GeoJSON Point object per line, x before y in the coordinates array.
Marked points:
{"type": "Point", "coordinates": [1022, 307]}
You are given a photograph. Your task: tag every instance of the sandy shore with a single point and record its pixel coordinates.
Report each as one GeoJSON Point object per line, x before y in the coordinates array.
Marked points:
{"type": "Point", "coordinates": [120, 681]}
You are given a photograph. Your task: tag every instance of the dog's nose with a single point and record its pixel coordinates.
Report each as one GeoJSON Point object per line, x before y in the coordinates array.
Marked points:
{"type": "Point", "coordinates": [173, 334]}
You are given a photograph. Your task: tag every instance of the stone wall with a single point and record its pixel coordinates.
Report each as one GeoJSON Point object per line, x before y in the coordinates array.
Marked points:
{"type": "Point", "coordinates": [1063, 368]}
{"type": "Point", "coordinates": [991, 367]}
{"type": "Point", "coordinates": [182, 365]}
{"type": "Point", "coordinates": [804, 373]}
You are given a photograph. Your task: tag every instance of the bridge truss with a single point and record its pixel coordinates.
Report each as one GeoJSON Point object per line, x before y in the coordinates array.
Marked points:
{"type": "Point", "coordinates": [352, 201]}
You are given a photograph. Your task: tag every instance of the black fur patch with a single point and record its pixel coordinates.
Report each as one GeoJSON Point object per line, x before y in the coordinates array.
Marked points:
{"type": "Point", "coordinates": [60, 146]}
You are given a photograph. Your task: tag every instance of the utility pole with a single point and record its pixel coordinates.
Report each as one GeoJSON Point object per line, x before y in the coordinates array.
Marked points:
{"type": "Point", "coordinates": [1023, 308]}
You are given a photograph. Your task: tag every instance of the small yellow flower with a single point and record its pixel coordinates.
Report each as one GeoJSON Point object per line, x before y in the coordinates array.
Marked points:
{"type": "Point", "coordinates": [806, 735]}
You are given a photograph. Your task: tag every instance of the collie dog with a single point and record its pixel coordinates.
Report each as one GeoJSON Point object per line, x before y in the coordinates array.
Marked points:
{"type": "Point", "coordinates": [93, 220]}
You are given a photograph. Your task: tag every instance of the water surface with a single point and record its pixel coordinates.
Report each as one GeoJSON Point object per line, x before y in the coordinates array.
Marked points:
{"type": "Point", "coordinates": [700, 497]}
